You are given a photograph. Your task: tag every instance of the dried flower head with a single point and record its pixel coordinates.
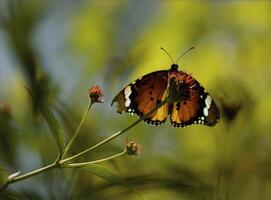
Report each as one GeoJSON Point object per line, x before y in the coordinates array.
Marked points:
{"type": "Point", "coordinates": [235, 98]}
{"type": "Point", "coordinates": [132, 148]}
{"type": "Point", "coordinates": [95, 94]}
{"type": "Point", "coordinates": [5, 109]}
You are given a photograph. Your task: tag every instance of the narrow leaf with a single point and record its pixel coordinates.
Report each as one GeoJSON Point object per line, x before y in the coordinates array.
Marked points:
{"type": "Point", "coordinates": [12, 176]}
{"type": "Point", "coordinates": [3, 178]}
{"type": "Point", "coordinates": [54, 127]}
{"type": "Point", "coordinates": [52, 123]}
{"type": "Point", "coordinates": [112, 177]}
{"type": "Point", "coordinates": [104, 173]}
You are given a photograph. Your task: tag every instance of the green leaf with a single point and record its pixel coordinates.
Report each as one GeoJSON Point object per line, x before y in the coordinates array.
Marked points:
{"type": "Point", "coordinates": [54, 127]}
{"type": "Point", "coordinates": [52, 123]}
{"type": "Point", "coordinates": [104, 173]}
{"type": "Point", "coordinates": [3, 178]}
{"type": "Point", "coordinates": [112, 177]}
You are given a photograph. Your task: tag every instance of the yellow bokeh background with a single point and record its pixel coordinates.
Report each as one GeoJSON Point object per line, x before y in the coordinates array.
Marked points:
{"type": "Point", "coordinates": [111, 43]}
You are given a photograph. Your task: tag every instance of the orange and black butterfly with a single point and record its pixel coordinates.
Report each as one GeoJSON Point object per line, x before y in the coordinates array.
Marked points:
{"type": "Point", "coordinates": [193, 105]}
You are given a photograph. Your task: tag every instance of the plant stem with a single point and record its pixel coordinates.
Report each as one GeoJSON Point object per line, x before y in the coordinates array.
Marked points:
{"type": "Point", "coordinates": [117, 133]}
{"type": "Point", "coordinates": [60, 163]}
{"type": "Point", "coordinates": [56, 165]}
{"type": "Point", "coordinates": [77, 130]}
{"type": "Point", "coordinates": [33, 173]}
{"type": "Point", "coordinates": [73, 165]}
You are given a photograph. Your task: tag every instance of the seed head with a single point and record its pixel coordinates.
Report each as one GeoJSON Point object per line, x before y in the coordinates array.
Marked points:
{"type": "Point", "coordinates": [95, 94]}
{"type": "Point", "coordinates": [133, 148]}
{"type": "Point", "coordinates": [5, 109]}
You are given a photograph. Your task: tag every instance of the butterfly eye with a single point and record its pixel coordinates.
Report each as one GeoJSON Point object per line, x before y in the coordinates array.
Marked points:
{"type": "Point", "coordinates": [174, 67]}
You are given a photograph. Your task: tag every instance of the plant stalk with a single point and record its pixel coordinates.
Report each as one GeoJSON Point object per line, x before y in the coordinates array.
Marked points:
{"type": "Point", "coordinates": [116, 134]}
{"type": "Point", "coordinates": [33, 173]}
{"type": "Point", "coordinates": [77, 165]}
{"type": "Point", "coordinates": [60, 163]}
{"type": "Point", "coordinates": [77, 130]}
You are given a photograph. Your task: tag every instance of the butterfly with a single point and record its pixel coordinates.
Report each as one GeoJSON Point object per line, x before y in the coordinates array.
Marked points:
{"type": "Point", "coordinates": [191, 104]}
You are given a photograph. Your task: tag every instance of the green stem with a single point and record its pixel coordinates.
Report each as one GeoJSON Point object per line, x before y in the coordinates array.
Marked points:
{"type": "Point", "coordinates": [73, 165]}
{"type": "Point", "coordinates": [56, 165]}
{"type": "Point", "coordinates": [77, 130]}
{"type": "Point", "coordinates": [33, 173]}
{"type": "Point", "coordinates": [60, 163]}
{"type": "Point", "coordinates": [116, 134]}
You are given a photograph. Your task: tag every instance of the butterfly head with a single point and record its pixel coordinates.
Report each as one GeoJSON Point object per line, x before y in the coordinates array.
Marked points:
{"type": "Point", "coordinates": [174, 67]}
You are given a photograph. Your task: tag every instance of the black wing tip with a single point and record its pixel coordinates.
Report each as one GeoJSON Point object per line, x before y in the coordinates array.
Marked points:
{"type": "Point", "coordinates": [214, 122]}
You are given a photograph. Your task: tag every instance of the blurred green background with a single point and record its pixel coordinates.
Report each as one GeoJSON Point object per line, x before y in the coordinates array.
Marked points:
{"type": "Point", "coordinates": [60, 48]}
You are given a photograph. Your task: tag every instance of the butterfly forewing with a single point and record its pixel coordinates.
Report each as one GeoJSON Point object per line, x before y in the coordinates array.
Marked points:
{"type": "Point", "coordinates": [142, 95]}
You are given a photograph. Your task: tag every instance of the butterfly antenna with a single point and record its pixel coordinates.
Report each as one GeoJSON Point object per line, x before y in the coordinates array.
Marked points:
{"type": "Point", "coordinates": [167, 54]}
{"type": "Point", "coordinates": [184, 54]}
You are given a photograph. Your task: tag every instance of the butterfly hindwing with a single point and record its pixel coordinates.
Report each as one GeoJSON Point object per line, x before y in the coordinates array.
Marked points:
{"type": "Point", "coordinates": [199, 108]}
{"type": "Point", "coordinates": [142, 95]}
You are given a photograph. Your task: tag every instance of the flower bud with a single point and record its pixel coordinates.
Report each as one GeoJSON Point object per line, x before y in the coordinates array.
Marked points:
{"type": "Point", "coordinates": [95, 94]}
{"type": "Point", "coordinates": [132, 148]}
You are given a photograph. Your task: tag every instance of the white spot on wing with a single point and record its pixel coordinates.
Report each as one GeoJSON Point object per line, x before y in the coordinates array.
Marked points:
{"type": "Point", "coordinates": [208, 101]}
{"type": "Point", "coordinates": [205, 111]}
{"type": "Point", "coordinates": [127, 92]}
{"type": "Point", "coordinates": [127, 102]}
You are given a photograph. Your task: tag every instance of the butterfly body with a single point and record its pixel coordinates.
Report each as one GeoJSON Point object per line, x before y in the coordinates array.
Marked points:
{"type": "Point", "coordinates": [189, 103]}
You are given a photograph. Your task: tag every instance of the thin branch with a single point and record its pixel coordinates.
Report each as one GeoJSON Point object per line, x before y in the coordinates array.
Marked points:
{"type": "Point", "coordinates": [33, 173]}
{"type": "Point", "coordinates": [77, 130]}
{"type": "Point", "coordinates": [116, 134]}
{"type": "Point", "coordinates": [61, 163]}
{"type": "Point", "coordinates": [77, 165]}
